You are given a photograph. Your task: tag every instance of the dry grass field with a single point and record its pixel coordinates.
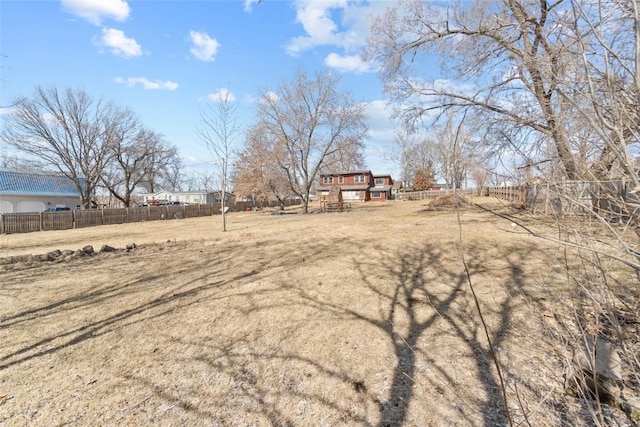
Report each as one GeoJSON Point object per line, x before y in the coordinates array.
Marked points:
{"type": "Point", "coordinates": [361, 318]}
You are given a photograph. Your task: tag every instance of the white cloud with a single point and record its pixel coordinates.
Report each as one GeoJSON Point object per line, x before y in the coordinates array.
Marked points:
{"type": "Point", "coordinates": [119, 43]}
{"type": "Point", "coordinates": [341, 23]}
{"type": "Point", "coordinates": [318, 25]}
{"type": "Point", "coordinates": [94, 11]}
{"type": "Point", "coordinates": [380, 120]}
{"type": "Point", "coordinates": [146, 83]}
{"type": "Point", "coordinates": [346, 63]}
{"type": "Point", "coordinates": [6, 110]}
{"type": "Point", "coordinates": [248, 5]}
{"type": "Point", "coordinates": [267, 97]}
{"type": "Point", "coordinates": [222, 95]}
{"type": "Point", "coordinates": [204, 47]}
{"type": "Point", "coordinates": [379, 143]}
{"type": "Point", "coordinates": [271, 97]}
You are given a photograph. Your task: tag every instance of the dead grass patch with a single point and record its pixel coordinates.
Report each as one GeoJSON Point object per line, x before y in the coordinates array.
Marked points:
{"type": "Point", "coordinates": [357, 318]}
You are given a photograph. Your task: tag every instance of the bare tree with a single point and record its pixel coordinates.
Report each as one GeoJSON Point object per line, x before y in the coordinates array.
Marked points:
{"type": "Point", "coordinates": [400, 154]}
{"type": "Point", "coordinates": [168, 170]}
{"type": "Point", "coordinates": [68, 131]}
{"type": "Point", "coordinates": [480, 174]}
{"type": "Point", "coordinates": [454, 148]}
{"type": "Point", "coordinates": [219, 131]}
{"type": "Point", "coordinates": [202, 180]}
{"type": "Point", "coordinates": [256, 172]}
{"type": "Point", "coordinates": [517, 61]}
{"type": "Point", "coordinates": [413, 152]}
{"type": "Point", "coordinates": [607, 49]}
{"type": "Point", "coordinates": [350, 158]}
{"type": "Point", "coordinates": [317, 126]}
{"type": "Point", "coordinates": [14, 161]}
{"type": "Point", "coordinates": [7, 161]}
{"type": "Point", "coordinates": [135, 152]}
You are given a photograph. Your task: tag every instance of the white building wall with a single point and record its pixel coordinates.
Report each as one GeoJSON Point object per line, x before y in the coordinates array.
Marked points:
{"type": "Point", "coordinates": [19, 204]}
{"type": "Point", "coordinates": [351, 195]}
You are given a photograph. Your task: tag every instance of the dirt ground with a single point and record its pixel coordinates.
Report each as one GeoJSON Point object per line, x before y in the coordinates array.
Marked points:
{"type": "Point", "coordinates": [362, 318]}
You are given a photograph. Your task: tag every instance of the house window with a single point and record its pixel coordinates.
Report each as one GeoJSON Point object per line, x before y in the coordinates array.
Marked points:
{"type": "Point", "coordinates": [340, 179]}
{"type": "Point", "coordinates": [358, 178]}
{"type": "Point", "coordinates": [375, 194]}
{"type": "Point", "coordinates": [379, 181]}
{"type": "Point", "coordinates": [327, 180]}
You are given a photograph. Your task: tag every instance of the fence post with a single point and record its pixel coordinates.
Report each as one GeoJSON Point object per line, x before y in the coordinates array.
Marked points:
{"type": "Point", "coordinates": [522, 196]}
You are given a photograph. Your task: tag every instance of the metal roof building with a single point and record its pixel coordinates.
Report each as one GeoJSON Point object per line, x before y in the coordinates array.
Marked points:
{"type": "Point", "coordinates": [17, 183]}
{"type": "Point", "coordinates": [35, 191]}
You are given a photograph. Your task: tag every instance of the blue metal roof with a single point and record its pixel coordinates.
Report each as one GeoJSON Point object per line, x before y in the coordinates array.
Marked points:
{"type": "Point", "coordinates": [16, 183]}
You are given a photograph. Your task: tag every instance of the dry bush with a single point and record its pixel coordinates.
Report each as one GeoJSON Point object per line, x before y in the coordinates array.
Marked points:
{"type": "Point", "coordinates": [597, 315]}
{"type": "Point", "coordinates": [447, 202]}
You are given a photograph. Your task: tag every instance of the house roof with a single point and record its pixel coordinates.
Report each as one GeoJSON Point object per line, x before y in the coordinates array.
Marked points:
{"type": "Point", "coordinates": [17, 183]}
{"type": "Point", "coordinates": [360, 172]}
{"type": "Point", "coordinates": [357, 172]}
{"type": "Point", "coordinates": [380, 188]}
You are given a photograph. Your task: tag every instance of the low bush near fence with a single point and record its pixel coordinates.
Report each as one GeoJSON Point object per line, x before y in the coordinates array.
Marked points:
{"type": "Point", "coordinates": [41, 221]}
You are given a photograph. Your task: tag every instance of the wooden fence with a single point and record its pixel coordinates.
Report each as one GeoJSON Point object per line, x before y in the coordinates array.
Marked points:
{"type": "Point", "coordinates": [612, 199]}
{"type": "Point", "coordinates": [514, 194]}
{"type": "Point", "coordinates": [63, 220]}
{"type": "Point", "coordinates": [421, 195]}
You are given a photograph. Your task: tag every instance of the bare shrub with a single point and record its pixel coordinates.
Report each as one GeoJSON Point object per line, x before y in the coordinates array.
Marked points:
{"type": "Point", "coordinates": [447, 202]}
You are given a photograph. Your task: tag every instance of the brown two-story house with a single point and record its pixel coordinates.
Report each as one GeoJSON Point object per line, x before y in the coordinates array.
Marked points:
{"type": "Point", "coordinates": [356, 186]}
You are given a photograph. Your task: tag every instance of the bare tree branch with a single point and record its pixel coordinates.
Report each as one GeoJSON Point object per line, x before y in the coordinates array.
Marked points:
{"type": "Point", "coordinates": [316, 126]}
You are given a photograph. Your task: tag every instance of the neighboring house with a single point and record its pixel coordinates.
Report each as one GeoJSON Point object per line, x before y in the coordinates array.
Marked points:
{"type": "Point", "coordinates": [382, 188]}
{"type": "Point", "coordinates": [356, 186]}
{"type": "Point", "coordinates": [191, 197]}
{"type": "Point", "coordinates": [36, 191]}
{"type": "Point", "coordinates": [439, 187]}
{"type": "Point", "coordinates": [397, 187]}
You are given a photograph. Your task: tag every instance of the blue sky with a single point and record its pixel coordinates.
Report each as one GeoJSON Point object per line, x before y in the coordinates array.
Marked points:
{"type": "Point", "coordinates": [163, 59]}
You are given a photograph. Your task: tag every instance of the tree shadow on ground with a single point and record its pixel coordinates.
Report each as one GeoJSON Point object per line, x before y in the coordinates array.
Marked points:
{"type": "Point", "coordinates": [415, 295]}
{"type": "Point", "coordinates": [420, 294]}
{"type": "Point", "coordinates": [170, 295]}
{"type": "Point", "coordinates": [405, 321]}
{"type": "Point", "coordinates": [429, 291]}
